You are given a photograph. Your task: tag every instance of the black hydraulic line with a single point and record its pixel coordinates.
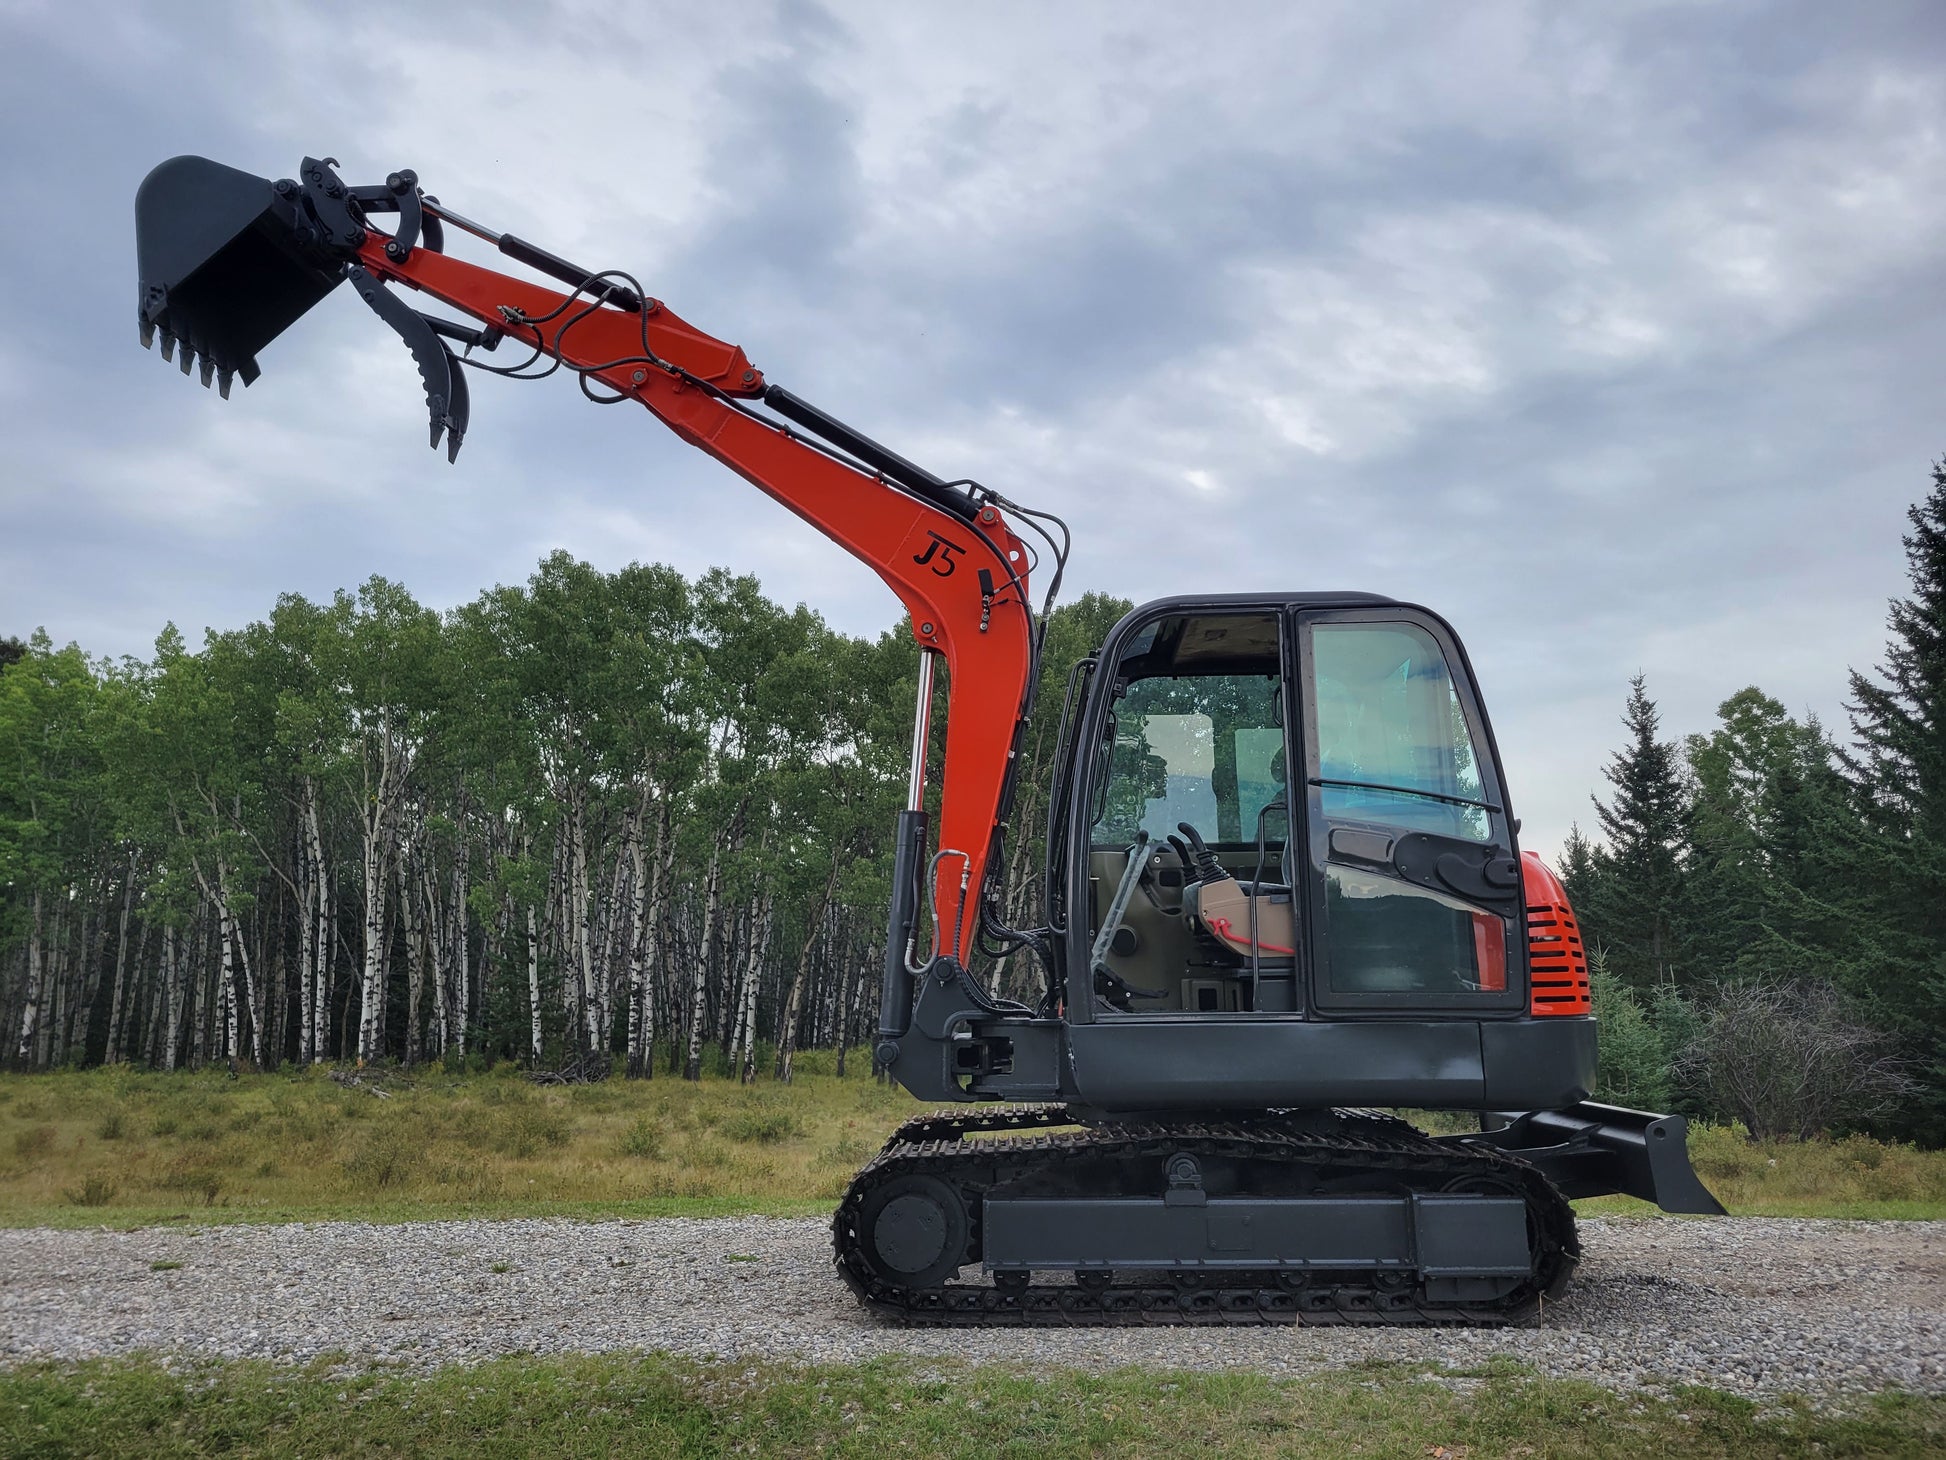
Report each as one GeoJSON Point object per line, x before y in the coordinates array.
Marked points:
{"type": "Point", "coordinates": [882, 459]}
{"type": "Point", "coordinates": [556, 267]}
{"type": "Point", "coordinates": [908, 862]}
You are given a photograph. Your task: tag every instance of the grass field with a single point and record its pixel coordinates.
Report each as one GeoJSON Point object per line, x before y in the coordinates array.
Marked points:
{"type": "Point", "coordinates": [653, 1405]}
{"type": "Point", "coordinates": [123, 1147]}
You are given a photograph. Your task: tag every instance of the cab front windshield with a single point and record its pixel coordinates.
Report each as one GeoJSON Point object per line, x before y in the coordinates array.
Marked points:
{"type": "Point", "coordinates": [1205, 748]}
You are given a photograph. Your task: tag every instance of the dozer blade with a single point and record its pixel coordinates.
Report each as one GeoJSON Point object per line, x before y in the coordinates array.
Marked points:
{"type": "Point", "coordinates": [223, 265]}
{"type": "Point", "coordinates": [1600, 1150]}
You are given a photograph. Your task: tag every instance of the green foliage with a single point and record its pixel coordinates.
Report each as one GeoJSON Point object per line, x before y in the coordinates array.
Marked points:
{"type": "Point", "coordinates": [1635, 1058]}
{"type": "Point", "coordinates": [642, 1140]}
{"type": "Point", "coordinates": [33, 1142]}
{"type": "Point", "coordinates": [95, 1190]}
{"type": "Point", "coordinates": [764, 1126]}
{"type": "Point", "coordinates": [1897, 772]}
{"type": "Point", "coordinates": [1794, 1060]}
{"type": "Point", "coordinates": [1634, 896]}
{"type": "Point", "coordinates": [385, 1156]}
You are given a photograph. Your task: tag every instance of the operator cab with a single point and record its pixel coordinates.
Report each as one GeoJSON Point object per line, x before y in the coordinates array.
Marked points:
{"type": "Point", "coordinates": [1212, 882]}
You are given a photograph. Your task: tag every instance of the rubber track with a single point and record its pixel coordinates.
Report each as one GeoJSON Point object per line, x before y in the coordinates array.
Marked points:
{"type": "Point", "coordinates": [933, 1144]}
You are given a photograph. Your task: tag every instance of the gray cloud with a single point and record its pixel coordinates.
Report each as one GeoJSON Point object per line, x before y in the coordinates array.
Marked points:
{"type": "Point", "coordinates": [1612, 333]}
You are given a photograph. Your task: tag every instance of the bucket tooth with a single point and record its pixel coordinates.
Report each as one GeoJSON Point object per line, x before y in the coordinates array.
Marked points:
{"type": "Point", "coordinates": [168, 346]}
{"type": "Point", "coordinates": [223, 379]}
{"type": "Point", "coordinates": [188, 357]}
{"type": "Point", "coordinates": [147, 326]}
{"type": "Point", "coordinates": [208, 371]}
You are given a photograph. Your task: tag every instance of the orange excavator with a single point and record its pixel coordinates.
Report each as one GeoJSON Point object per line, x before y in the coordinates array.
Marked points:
{"type": "Point", "coordinates": [1283, 881]}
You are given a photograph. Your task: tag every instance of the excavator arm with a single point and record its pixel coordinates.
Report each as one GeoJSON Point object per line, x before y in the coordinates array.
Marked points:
{"type": "Point", "coordinates": [229, 260]}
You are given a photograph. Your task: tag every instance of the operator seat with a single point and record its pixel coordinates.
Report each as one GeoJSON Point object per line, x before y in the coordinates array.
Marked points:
{"type": "Point", "coordinates": [1258, 918]}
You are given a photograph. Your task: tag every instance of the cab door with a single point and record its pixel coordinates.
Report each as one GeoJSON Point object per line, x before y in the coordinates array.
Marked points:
{"type": "Point", "coordinates": [1412, 872]}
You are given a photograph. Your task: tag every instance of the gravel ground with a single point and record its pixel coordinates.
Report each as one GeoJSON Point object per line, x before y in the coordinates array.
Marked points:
{"type": "Point", "coordinates": [1756, 1306]}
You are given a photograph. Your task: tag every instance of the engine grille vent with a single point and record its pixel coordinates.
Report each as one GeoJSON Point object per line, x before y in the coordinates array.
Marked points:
{"type": "Point", "coordinates": [1557, 963]}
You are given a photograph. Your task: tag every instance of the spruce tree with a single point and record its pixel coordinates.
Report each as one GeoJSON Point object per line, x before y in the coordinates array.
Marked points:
{"type": "Point", "coordinates": [1772, 842]}
{"type": "Point", "coordinates": [1637, 893]}
{"type": "Point", "coordinates": [1582, 869]}
{"type": "Point", "coordinates": [1897, 771]}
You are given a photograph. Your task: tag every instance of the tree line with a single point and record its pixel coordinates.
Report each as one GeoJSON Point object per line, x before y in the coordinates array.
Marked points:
{"type": "Point", "coordinates": [630, 813]}
{"type": "Point", "coordinates": [1767, 905]}
{"type": "Point", "coordinates": [595, 812]}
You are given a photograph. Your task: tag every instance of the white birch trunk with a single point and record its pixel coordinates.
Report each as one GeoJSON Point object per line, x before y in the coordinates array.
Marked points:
{"type": "Point", "coordinates": [534, 986]}
{"type": "Point", "coordinates": [794, 1002]}
{"type": "Point", "coordinates": [692, 1065]}
{"type": "Point", "coordinates": [581, 949]}
{"type": "Point", "coordinates": [226, 1008]}
{"type": "Point", "coordinates": [31, 1012]}
{"type": "Point", "coordinates": [615, 925]}
{"type": "Point", "coordinates": [306, 932]}
{"type": "Point", "coordinates": [437, 952]}
{"type": "Point", "coordinates": [172, 965]}
{"type": "Point", "coordinates": [753, 977]}
{"type": "Point", "coordinates": [371, 987]}
{"type": "Point", "coordinates": [236, 948]}
{"type": "Point", "coordinates": [318, 1030]}
{"type": "Point", "coordinates": [415, 963]}
{"type": "Point", "coordinates": [453, 1023]}
{"type": "Point", "coordinates": [643, 949]}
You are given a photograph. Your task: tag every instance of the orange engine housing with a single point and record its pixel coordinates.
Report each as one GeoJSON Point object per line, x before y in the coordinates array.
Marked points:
{"type": "Point", "coordinates": [1557, 963]}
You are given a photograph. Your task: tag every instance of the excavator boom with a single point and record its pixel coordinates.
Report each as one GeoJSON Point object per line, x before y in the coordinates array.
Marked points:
{"type": "Point", "coordinates": [229, 260]}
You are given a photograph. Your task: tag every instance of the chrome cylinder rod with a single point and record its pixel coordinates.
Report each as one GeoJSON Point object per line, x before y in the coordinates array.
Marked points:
{"type": "Point", "coordinates": [440, 210]}
{"type": "Point", "coordinates": [915, 795]}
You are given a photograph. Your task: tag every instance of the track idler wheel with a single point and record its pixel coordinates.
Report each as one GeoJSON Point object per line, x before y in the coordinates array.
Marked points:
{"type": "Point", "coordinates": [913, 1231]}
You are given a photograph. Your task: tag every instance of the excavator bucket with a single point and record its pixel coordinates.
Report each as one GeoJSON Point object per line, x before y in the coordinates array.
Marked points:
{"type": "Point", "coordinates": [223, 267]}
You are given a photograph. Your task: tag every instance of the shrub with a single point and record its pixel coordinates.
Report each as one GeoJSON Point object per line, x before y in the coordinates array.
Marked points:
{"type": "Point", "coordinates": [33, 1142]}
{"type": "Point", "coordinates": [94, 1191]}
{"type": "Point", "coordinates": [850, 1151]}
{"type": "Point", "coordinates": [193, 1178]}
{"type": "Point", "coordinates": [642, 1140]}
{"type": "Point", "coordinates": [523, 1130]}
{"type": "Point", "coordinates": [766, 1127]}
{"type": "Point", "coordinates": [1793, 1060]}
{"type": "Point", "coordinates": [384, 1158]}
{"type": "Point", "coordinates": [1634, 1069]}
{"type": "Point", "coordinates": [112, 1126]}
{"type": "Point", "coordinates": [814, 1062]}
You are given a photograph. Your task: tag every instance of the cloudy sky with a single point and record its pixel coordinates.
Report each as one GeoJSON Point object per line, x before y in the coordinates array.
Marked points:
{"type": "Point", "coordinates": [1612, 332]}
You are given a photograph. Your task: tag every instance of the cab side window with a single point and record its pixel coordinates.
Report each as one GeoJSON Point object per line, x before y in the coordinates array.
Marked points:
{"type": "Point", "coordinates": [1394, 756]}
{"type": "Point", "coordinates": [1393, 743]}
